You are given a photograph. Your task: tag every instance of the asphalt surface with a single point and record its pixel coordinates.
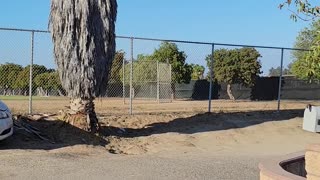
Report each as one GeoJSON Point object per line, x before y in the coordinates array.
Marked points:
{"type": "Point", "coordinates": [21, 164]}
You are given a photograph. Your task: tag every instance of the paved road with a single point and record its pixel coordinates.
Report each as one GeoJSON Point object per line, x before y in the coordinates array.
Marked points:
{"type": "Point", "coordinates": [21, 164]}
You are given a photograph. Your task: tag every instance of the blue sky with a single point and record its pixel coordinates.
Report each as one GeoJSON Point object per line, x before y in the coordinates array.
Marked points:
{"type": "Point", "coordinates": [250, 22]}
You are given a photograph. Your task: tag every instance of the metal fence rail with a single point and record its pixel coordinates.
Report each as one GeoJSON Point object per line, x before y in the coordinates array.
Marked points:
{"type": "Point", "coordinates": [131, 79]}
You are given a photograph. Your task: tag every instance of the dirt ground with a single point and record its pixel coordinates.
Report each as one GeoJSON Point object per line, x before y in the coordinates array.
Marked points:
{"type": "Point", "coordinates": [163, 141]}
{"type": "Point", "coordinates": [110, 106]}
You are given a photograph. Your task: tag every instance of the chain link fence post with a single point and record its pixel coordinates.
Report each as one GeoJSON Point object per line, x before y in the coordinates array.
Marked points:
{"type": "Point", "coordinates": [131, 78]}
{"type": "Point", "coordinates": [158, 82]}
{"type": "Point", "coordinates": [31, 73]}
{"type": "Point", "coordinates": [171, 82]}
{"type": "Point", "coordinates": [123, 81]}
{"type": "Point", "coordinates": [211, 78]}
{"type": "Point", "coordinates": [280, 80]}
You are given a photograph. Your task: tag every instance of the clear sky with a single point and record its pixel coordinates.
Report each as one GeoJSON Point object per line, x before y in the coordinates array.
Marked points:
{"type": "Point", "coordinates": [253, 22]}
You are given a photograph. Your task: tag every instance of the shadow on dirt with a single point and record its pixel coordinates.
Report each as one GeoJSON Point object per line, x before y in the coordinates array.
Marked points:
{"type": "Point", "coordinates": [206, 123]}
{"type": "Point", "coordinates": [61, 134]}
{"type": "Point", "coordinates": [58, 133]}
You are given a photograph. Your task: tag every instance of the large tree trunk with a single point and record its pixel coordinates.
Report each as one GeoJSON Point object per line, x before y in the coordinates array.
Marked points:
{"type": "Point", "coordinates": [83, 33]}
{"type": "Point", "coordinates": [229, 91]}
{"type": "Point", "coordinates": [82, 114]}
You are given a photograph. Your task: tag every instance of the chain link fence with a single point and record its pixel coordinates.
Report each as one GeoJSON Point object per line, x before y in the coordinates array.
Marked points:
{"type": "Point", "coordinates": [147, 75]}
{"type": "Point", "coordinates": [151, 80]}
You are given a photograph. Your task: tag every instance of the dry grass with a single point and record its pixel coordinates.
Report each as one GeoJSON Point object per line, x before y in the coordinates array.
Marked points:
{"type": "Point", "coordinates": [119, 107]}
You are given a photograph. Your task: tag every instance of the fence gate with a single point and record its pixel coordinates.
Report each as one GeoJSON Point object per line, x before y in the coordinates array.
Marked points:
{"type": "Point", "coordinates": [165, 85]}
{"type": "Point", "coordinates": [148, 81]}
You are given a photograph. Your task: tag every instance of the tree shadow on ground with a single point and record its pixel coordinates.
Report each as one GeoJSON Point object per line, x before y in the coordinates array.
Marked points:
{"type": "Point", "coordinates": [58, 133]}
{"type": "Point", "coordinates": [207, 122]}
{"type": "Point", "coordinates": [61, 134]}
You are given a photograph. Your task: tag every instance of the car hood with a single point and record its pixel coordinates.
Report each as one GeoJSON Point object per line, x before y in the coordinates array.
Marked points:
{"type": "Point", "coordinates": [3, 107]}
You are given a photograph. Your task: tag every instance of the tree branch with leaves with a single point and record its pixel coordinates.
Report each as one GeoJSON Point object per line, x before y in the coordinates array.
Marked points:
{"type": "Point", "coordinates": [303, 9]}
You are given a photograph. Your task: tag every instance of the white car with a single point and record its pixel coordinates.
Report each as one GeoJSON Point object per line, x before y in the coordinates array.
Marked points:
{"type": "Point", "coordinates": [6, 122]}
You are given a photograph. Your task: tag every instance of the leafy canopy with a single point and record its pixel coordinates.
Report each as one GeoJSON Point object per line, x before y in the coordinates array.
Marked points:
{"type": "Point", "coordinates": [116, 67]}
{"type": "Point", "coordinates": [276, 71]}
{"type": "Point", "coordinates": [169, 52]}
{"type": "Point", "coordinates": [23, 77]}
{"type": "Point", "coordinates": [305, 40]}
{"type": "Point", "coordinates": [236, 66]}
{"type": "Point", "coordinates": [145, 67]}
{"type": "Point", "coordinates": [143, 71]}
{"type": "Point", "coordinates": [14, 76]}
{"type": "Point", "coordinates": [48, 81]}
{"type": "Point", "coordinates": [197, 71]}
{"type": "Point", "coordinates": [8, 74]}
{"type": "Point", "coordinates": [308, 68]}
{"type": "Point", "coordinates": [305, 65]}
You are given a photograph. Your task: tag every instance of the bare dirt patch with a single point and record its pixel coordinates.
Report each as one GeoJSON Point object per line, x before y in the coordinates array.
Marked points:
{"type": "Point", "coordinates": [168, 145]}
{"type": "Point", "coordinates": [216, 132]}
{"type": "Point", "coordinates": [170, 132]}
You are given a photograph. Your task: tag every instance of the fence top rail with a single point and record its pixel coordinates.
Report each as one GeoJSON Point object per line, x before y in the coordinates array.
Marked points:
{"type": "Point", "coordinates": [170, 40]}
{"type": "Point", "coordinates": [24, 30]}
{"type": "Point", "coordinates": [213, 43]}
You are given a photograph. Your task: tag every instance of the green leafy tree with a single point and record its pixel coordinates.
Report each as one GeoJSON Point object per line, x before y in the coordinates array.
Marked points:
{"type": "Point", "coordinates": [144, 57]}
{"type": "Point", "coordinates": [303, 9]}
{"type": "Point", "coordinates": [48, 81]}
{"type": "Point", "coordinates": [143, 72]}
{"type": "Point", "coordinates": [308, 68]}
{"type": "Point", "coordinates": [305, 40]}
{"type": "Point", "coordinates": [23, 77]}
{"type": "Point", "coordinates": [197, 72]}
{"type": "Point", "coordinates": [305, 64]}
{"type": "Point", "coordinates": [116, 68]}
{"type": "Point", "coordinates": [169, 52]}
{"type": "Point", "coordinates": [236, 66]}
{"type": "Point", "coordinates": [145, 68]}
{"type": "Point", "coordinates": [8, 75]}
{"type": "Point", "coordinates": [166, 53]}
{"type": "Point", "coordinates": [276, 71]}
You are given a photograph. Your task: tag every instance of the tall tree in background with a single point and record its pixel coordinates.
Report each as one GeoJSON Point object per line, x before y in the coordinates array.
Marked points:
{"type": "Point", "coordinates": [15, 79]}
{"type": "Point", "coordinates": [305, 63]}
{"type": "Point", "coordinates": [305, 40]}
{"type": "Point", "coordinates": [48, 81]}
{"type": "Point", "coordinates": [236, 66]}
{"type": "Point", "coordinates": [308, 68]}
{"type": "Point", "coordinates": [181, 71]}
{"type": "Point", "coordinates": [197, 72]}
{"type": "Point", "coordinates": [276, 71]}
{"type": "Point", "coordinates": [8, 76]}
{"type": "Point", "coordinates": [83, 33]}
{"type": "Point", "coordinates": [22, 81]}
{"type": "Point", "coordinates": [116, 68]}
{"type": "Point", "coordinates": [169, 52]}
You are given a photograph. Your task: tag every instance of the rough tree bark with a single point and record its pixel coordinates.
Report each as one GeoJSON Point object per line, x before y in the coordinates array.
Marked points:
{"type": "Point", "coordinates": [229, 91]}
{"type": "Point", "coordinates": [83, 33]}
